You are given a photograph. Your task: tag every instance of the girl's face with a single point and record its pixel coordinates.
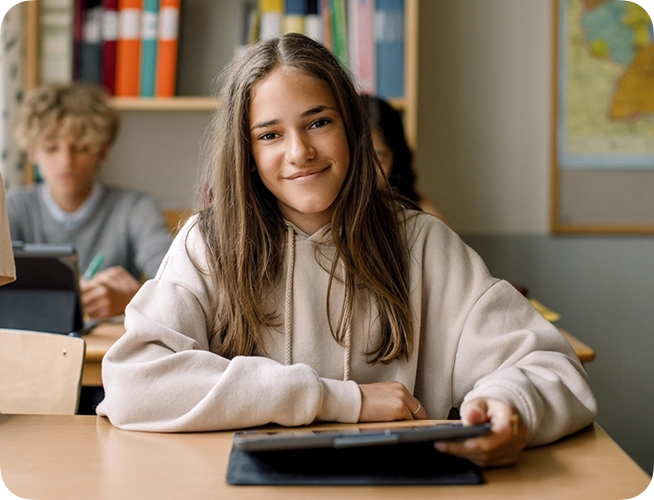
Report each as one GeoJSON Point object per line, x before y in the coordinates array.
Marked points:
{"type": "Point", "coordinates": [299, 145]}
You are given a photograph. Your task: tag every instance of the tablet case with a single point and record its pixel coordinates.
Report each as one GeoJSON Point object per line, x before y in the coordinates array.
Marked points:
{"type": "Point", "coordinates": [400, 464]}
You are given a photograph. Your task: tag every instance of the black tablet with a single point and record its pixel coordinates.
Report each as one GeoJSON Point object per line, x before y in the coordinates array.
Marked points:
{"type": "Point", "coordinates": [45, 296]}
{"type": "Point", "coordinates": [268, 440]}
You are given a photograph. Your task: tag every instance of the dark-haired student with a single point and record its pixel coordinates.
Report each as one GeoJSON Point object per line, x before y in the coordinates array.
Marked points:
{"type": "Point", "coordinates": [395, 154]}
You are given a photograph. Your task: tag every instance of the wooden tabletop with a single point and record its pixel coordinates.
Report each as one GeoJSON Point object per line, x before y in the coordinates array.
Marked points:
{"type": "Point", "coordinates": [102, 337]}
{"type": "Point", "coordinates": [98, 341]}
{"type": "Point", "coordinates": [85, 457]}
{"type": "Point", "coordinates": [585, 353]}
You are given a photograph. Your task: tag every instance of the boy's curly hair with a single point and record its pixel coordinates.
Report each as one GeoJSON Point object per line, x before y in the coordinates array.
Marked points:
{"type": "Point", "coordinates": [77, 109]}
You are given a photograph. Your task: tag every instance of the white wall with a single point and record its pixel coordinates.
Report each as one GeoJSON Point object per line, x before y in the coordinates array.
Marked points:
{"type": "Point", "coordinates": [484, 113]}
{"type": "Point", "coordinates": [158, 152]}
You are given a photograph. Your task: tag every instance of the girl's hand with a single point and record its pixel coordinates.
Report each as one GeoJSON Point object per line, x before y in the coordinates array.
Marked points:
{"type": "Point", "coordinates": [108, 292]}
{"type": "Point", "coordinates": [501, 446]}
{"type": "Point", "coordinates": [388, 401]}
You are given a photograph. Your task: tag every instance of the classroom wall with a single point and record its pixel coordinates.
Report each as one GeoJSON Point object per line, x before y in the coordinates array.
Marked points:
{"type": "Point", "coordinates": [159, 152]}
{"type": "Point", "coordinates": [484, 155]}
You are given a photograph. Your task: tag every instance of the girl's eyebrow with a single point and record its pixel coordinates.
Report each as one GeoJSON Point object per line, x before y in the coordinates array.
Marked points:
{"type": "Point", "coordinates": [309, 112]}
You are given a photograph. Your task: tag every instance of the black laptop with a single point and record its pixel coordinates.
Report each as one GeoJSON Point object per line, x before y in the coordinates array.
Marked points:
{"type": "Point", "coordinates": [45, 295]}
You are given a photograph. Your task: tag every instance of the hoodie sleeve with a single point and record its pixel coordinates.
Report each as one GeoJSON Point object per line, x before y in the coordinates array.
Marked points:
{"type": "Point", "coordinates": [161, 375]}
{"type": "Point", "coordinates": [515, 355]}
{"type": "Point", "coordinates": [492, 342]}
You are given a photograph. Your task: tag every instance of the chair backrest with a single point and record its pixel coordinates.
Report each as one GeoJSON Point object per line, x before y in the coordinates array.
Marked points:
{"type": "Point", "coordinates": [40, 372]}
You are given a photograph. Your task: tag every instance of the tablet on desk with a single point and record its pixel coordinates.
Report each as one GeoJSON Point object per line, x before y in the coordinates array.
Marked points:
{"type": "Point", "coordinates": [45, 296]}
{"type": "Point", "coordinates": [270, 440]}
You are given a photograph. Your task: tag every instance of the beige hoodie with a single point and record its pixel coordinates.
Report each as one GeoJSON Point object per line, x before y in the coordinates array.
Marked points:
{"type": "Point", "coordinates": [475, 336]}
{"type": "Point", "coordinates": [7, 268]}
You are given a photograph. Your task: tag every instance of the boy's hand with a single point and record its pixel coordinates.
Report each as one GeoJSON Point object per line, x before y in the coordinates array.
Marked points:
{"type": "Point", "coordinates": [505, 441]}
{"type": "Point", "coordinates": [108, 292]}
{"type": "Point", "coordinates": [388, 401]}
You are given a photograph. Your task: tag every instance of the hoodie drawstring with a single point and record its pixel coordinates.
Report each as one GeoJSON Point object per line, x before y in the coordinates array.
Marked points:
{"type": "Point", "coordinates": [288, 298]}
{"type": "Point", "coordinates": [348, 330]}
{"type": "Point", "coordinates": [290, 247]}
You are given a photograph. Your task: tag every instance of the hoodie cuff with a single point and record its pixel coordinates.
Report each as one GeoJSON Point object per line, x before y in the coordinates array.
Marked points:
{"type": "Point", "coordinates": [341, 401]}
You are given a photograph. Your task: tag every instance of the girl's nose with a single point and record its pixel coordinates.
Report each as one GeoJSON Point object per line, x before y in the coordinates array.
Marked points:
{"type": "Point", "coordinates": [300, 149]}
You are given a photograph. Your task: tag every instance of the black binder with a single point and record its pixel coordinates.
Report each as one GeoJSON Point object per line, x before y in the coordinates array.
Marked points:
{"type": "Point", "coordinates": [45, 296]}
{"type": "Point", "coordinates": [398, 464]}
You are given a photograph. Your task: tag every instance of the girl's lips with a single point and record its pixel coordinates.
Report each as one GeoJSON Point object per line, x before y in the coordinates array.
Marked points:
{"type": "Point", "coordinates": [307, 176]}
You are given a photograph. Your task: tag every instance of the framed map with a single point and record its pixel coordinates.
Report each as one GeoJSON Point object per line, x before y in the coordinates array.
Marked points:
{"type": "Point", "coordinates": [603, 168]}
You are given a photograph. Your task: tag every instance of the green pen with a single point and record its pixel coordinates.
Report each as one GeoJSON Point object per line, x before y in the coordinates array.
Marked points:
{"type": "Point", "coordinates": [94, 267]}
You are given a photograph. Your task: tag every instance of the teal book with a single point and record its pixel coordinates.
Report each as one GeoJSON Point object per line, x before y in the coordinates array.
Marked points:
{"type": "Point", "coordinates": [149, 23]}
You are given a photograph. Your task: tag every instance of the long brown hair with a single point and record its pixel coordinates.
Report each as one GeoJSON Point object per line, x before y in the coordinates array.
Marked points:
{"type": "Point", "coordinates": [244, 228]}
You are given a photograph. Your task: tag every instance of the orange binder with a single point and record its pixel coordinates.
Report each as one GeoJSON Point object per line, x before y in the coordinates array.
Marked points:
{"type": "Point", "coordinates": [167, 48]}
{"type": "Point", "coordinates": [128, 48]}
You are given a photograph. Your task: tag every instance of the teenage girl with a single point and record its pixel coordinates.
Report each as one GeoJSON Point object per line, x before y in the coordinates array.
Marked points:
{"type": "Point", "coordinates": [305, 292]}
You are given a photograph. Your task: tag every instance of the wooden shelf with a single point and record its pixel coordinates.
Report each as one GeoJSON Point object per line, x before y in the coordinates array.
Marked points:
{"type": "Point", "coordinates": [168, 104]}
{"type": "Point", "coordinates": [183, 103]}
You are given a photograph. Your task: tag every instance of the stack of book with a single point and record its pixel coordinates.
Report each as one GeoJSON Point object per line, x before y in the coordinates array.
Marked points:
{"type": "Point", "coordinates": [127, 46]}
{"type": "Point", "coordinates": [366, 35]}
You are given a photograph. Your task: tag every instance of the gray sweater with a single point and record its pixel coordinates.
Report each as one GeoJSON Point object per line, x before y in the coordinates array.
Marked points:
{"type": "Point", "coordinates": [126, 226]}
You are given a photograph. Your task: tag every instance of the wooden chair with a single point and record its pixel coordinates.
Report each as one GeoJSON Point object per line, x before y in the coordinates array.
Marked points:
{"type": "Point", "coordinates": [40, 372]}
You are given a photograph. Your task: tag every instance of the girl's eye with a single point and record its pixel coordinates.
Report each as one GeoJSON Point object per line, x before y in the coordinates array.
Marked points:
{"type": "Point", "coordinates": [268, 136]}
{"type": "Point", "coordinates": [320, 122]}
{"type": "Point", "coordinates": [81, 149]}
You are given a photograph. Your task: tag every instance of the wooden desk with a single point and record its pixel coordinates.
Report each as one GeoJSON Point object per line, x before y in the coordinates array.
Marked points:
{"type": "Point", "coordinates": [585, 353]}
{"type": "Point", "coordinates": [85, 457]}
{"type": "Point", "coordinates": [98, 342]}
{"type": "Point", "coordinates": [102, 337]}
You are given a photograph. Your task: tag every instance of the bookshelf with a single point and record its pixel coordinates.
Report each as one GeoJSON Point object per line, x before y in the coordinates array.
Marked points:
{"type": "Point", "coordinates": [209, 33]}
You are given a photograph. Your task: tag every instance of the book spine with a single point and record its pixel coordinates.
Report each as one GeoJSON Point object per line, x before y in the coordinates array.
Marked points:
{"type": "Point", "coordinates": [271, 13]}
{"type": "Point", "coordinates": [56, 41]}
{"type": "Point", "coordinates": [167, 43]}
{"type": "Point", "coordinates": [149, 20]}
{"type": "Point", "coordinates": [294, 13]}
{"type": "Point", "coordinates": [128, 49]}
{"type": "Point", "coordinates": [362, 44]}
{"type": "Point", "coordinates": [109, 41]}
{"type": "Point", "coordinates": [389, 45]}
{"type": "Point", "coordinates": [251, 24]}
{"type": "Point", "coordinates": [339, 30]}
{"type": "Point", "coordinates": [91, 54]}
{"type": "Point", "coordinates": [326, 16]}
{"type": "Point", "coordinates": [312, 20]}
{"type": "Point", "coordinates": [79, 12]}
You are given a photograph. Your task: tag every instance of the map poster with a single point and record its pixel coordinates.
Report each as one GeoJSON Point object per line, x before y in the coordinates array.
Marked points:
{"type": "Point", "coordinates": [605, 116]}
